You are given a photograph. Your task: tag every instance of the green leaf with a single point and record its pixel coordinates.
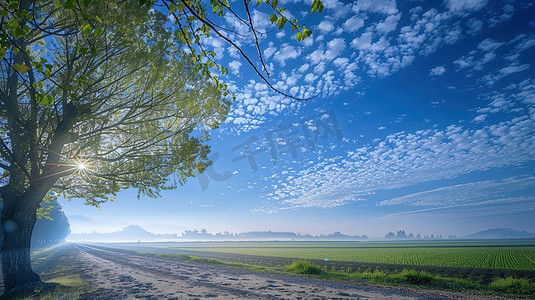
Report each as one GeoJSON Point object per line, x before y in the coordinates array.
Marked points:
{"type": "Point", "coordinates": [321, 7]}
{"type": "Point", "coordinates": [21, 68]}
{"type": "Point", "coordinates": [316, 5]}
{"type": "Point", "coordinates": [172, 8]}
{"type": "Point", "coordinates": [93, 51]}
{"type": "Point", "coordinates": [81, 50]}
{"type": "Point", "coordinates": [98, 31]}
{"type": "Point", "coordinates": [13, 4]}
{"type": "Point", "coordinates": [282, 22]}
{"type": "Point", "coordinates": [306, 33]}
{"type": "Point", "coordinates": [19, 32]}
{"type": "Point", "coordinates": [48, 70]}
{"type": "Point", "coordinates": [38, 66]}
{"type": "Point", "coordinates": [12, 23]}
{"type": "Point", "coordinates": [3, 52]}
{"type": "Point", "coordinates": [44, 99]}
{"type": "Point", "coordinates": [258, 2]}
{"type": "Point", "coordinates": [298, 36]}
{"type": "Point", "coordinates": [86, 29]}
{"type": "Point", "coordinates": [274, 3]}
{"type": "Point", "coordinates": [273, 18]}
{"type": "Point", "coordinates": [98, 19]}
{"type": "Point", "coordinates": [69, 5]}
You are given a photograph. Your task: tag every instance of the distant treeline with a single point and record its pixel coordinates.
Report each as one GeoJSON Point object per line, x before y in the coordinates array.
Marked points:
{"type": "Point", "coordinates": [401, 235]}
{"type": "Point", "coordinates": [203, 234]}
{"type": "Point", "coordinates": [50, 230]}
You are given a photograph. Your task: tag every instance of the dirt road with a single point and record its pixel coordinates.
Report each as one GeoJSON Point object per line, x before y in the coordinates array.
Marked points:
{"type": "Point", "coordinates": [123, 275]}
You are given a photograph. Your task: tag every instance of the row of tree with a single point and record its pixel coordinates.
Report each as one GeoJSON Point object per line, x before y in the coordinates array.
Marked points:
{"type": "Point", "coordinates": [401, 235]}
{"type": "Point", "coordinates": [203, 234]}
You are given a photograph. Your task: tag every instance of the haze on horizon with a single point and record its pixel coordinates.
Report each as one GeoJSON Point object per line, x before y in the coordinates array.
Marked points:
{"type": "Point", "coordinates": [424, 120]}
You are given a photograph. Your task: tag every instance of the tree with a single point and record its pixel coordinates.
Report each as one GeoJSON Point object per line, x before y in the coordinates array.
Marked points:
{"type": "Point", "coordinates": [99, 96]}
{"type": "Point", "coordinates": [130, 115]}
{"type": "Point", "coordinates": [51, 228]}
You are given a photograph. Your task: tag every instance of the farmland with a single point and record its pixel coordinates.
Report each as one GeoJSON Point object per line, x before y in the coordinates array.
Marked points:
{"type": "Point", "coordinates": [485, 266]}
{"type": "Point", "coordinates": [513, 255]}
{"type": "Point", "coordinates": [500, 256]}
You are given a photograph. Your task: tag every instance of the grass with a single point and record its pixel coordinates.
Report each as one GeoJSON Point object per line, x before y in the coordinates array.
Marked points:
{"type": "Point", "coordinates": [513, 285]}
{"type": "Point", "coordinates": [60, 279]}
{"type": "Point", "coordinates": [411, 278]}
{"type": "Point", "coordinates": [304, 267]}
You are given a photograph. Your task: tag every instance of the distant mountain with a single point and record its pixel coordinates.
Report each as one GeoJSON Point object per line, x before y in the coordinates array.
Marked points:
{"type": "Point", "coordinates": [79, 218]}
{"type": "Point", "coordinates": [501, 233]}
{"type": "Point", "coordinates": [132, 233]}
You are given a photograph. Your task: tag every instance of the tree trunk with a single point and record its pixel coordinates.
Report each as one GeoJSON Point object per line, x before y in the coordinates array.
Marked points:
{"type": "Point", "coordinates": [17, 227]}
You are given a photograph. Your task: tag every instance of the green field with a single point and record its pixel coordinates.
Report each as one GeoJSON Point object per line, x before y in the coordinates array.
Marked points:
{"type": "Point", "coordinates": [510, 255]}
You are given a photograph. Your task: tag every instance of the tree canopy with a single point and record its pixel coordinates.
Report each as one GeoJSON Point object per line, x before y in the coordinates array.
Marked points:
{"type": "Point", "coordinates": [128, 115]}
{"type": "Point", "coordinates": [132, 114]}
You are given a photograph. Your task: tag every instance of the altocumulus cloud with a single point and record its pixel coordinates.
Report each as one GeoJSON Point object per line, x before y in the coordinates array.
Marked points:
{"type": "Point", "coordinates": [362, 40]}
{"type": "Point", "coordinates": [467, 193]}
{"type": "Point", "coordinates": [405, 159]}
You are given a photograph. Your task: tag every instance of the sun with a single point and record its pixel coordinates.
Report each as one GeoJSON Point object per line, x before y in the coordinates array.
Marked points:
{"type": "Point", "coordinates": [81, 165]}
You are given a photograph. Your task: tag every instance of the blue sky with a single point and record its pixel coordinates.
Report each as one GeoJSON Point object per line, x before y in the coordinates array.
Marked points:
{"type": "Point", "coordinates": [423, 120]}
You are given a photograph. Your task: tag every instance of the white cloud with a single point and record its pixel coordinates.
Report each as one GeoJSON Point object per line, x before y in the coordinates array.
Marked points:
{"type": "Point", "coordinates": [269, 50]}
{"type": "Point", "coordinates": [387, 7]}
{"type": "Point", "coordinates": [310, 78]}
{"type": "Point", "coordinates": [235, 67]}
{"type": "Point", "coordinates": [489, 45]}
{"type": "Point", "coordinates": [465, 5]}
{"type": "Point", "coordinates": [334, 49]}
{"type": "Point", "coordinates": [325, 27]}
{"type": "Point", "coordinates": [330, 64]}
{"type": "Point", "coordinates": [363, 42]}
{"type": "Point", "coordinates": [389, 24]}
{"type": "Point", "coordinates": [480, 191]}
{"type": "Point", "coordinates": [490, 79]}
{"type": "Point", "coordinates": [514, 69]}
{"type": "Point", "coordinates": [353, 24]}
{"type": "Point", "coordinates": [480, 118]}
{"type": "Point", "coordinates": [303, 68]}
{"type": "Point", "coordinates": [405, 159]}
{"type": "Point", "coordinates": [286, 52]}
{"type": "Point", "coordinates": [437, 71]}
{"type": "Point", "coordinates": [341, 62]}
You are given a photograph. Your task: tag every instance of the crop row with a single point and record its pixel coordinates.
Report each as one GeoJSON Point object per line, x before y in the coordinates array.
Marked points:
{"type": "Point", "coordinates": [512, 258]}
